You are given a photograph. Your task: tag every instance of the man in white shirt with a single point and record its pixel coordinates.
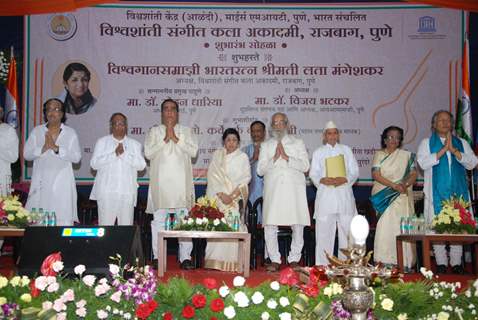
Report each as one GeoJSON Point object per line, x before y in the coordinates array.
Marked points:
{"type": "Point", "coordinates": [444, 159]}
{"type": "Point", "coordinates": [170, 148]}
{"type": "Point", "coordinates": [117, 159]}
{"type": "Point", "coordinates": [334, 201]}
{"type": "Point", "coordinates": [283, 161]}
{"type": "Point", "coordinates": [8, 155]}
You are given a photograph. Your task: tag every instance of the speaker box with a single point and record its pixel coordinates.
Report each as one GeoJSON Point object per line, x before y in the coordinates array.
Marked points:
{"type": "Point", "coordinates": [91, 247]}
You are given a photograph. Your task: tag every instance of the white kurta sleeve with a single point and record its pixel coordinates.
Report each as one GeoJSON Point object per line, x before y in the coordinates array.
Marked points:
{"type": "Point", "coordinates": [316, 172]}
{"type": "Point", "coordinates": [133, 156]}
{"type": "Point", "coordinates": [189, 143]}
{"type": "Point", "coordinates": [425, 159]}
{"type": "Point", "coordinates": [265, 162]}
{"type": "Point", "coordinates": [70, 151]}
{"type": "Point", "coordinates": [153, 143]}
{"type": "Point", "coordinates": [32, 149]}
{"type": "Point", "coordinates": [352, 167]}
{"type": "Point", "coordinates": [300, 159]}
{"type": "Point", "coordinates": [101, 155]}
{"type": "Point", "coordinates": [9, 146]}
{"type": "Point", "coordinates": [468, 157]}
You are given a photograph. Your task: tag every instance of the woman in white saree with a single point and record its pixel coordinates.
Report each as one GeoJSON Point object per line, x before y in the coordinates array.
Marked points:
{"type": "Point", "coordinates": [228, 175]}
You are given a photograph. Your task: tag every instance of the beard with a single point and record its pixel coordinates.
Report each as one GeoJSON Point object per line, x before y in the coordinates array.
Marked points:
{"type": "Point", "coordinates": [278, 134]}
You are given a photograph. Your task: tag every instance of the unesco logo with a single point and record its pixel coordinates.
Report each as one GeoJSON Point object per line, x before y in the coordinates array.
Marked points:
{"type": "Point", "coordinates": [426, 24]}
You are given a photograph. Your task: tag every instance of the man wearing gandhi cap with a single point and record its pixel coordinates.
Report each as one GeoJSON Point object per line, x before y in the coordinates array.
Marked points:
{"type": "Point", "coordinates": [333, 171]}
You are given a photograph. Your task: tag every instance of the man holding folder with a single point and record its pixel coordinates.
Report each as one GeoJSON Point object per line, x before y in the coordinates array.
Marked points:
{"type": "Point", "coordinates": [333, 171]}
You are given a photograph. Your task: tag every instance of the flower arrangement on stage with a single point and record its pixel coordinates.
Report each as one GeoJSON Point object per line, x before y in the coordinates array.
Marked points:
{"type": "Point", "coordinates": [454, 217]}
{"type": "Point", "coordinates": [54, 296]}
{"type": "Point", "coordinates": [204, 216]}
{"type": "Point", "coordinates": [13, 214]}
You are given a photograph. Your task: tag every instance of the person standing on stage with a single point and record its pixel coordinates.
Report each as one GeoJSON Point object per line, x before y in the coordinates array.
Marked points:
{"type": "Point", "coordinates": [444, 158]}
{"type": "Point", "coordinates": [170, 148]}
{"type": "Point", "coordinates": [283, 161]}
{"type": "Point", "coordinates": [117, 159]}
{"type": "Point", "coordinates": [334, 201]}
{"type": "Point", "coordinates": [53, 147]}
{"type": "Point", "coordinates": [8, 155]}
{"type": "Point", "coordinates": [256, 186]}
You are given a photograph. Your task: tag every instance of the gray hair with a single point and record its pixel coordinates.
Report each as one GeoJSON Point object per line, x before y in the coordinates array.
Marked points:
{"type": "Point", "coordinates": [437, 113]}
{"type": "Point", "coordinates": [279, 114]}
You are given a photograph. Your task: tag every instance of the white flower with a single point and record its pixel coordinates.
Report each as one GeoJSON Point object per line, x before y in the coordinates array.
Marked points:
{"type": "Point", "coordinates": [328, 291]}
{"type": "Point", "coordinates": [47, 305]}
{"type": "Point", "coordinates": [101, 314]}
{"type": "Point", "coordinates": [190, 220]}
{"type": "Point", "coordinates": [81, 303]}
{"type": "Point", "coordinates": [116, 297]}
{"type": "Point", "coordinates": [108, 308]}
{"type": "Point", "coordinates": [3, 300]}
{"type": "Point", "coordinates": [68, 295]}
{"type": "Point", "coordinates": [223, 291]}
{"type": "Point", "coordinates": [81, 312]}
{"type": "Point", "coordinates": [15, 281]}
{"type": "Point", "coordinates": [275, 286]}
{"type": "Point", "coordinates": [61, 316]}
{"type": "Point", "coordinates": [283, 301]}
{"type": "Point", "coordinates": [89, 280]}
{"type": "Point", "coordinates": [238, 281]}
{"type": "Point", "coordinates": [41, 283]}
{"type": "Point", "coordinates": [205, 220]}
{"type": "Point", "coordinates": [114, 269]}
{"type": "Point", "coordinates": [241, 299]}
{"type": "Point", "coordinates": [443, 315]}
{"type": "Point", "coordinates": [26, 297]}
{"type": "Point", "coordinates": [127, 315]}
{"type": "Point", "coordinates": [3, 282]}
{"type": "Point", "coordinates": [336, 289]}
{"type": "Point", "coordinates": [59, 305]}
{"type": "Point", "coordinates": [257, 297]}
{"type": "Point", "coordinates": [25, 281]}
{"type": "Point", "coordinates": [285, 316]}
{"type": "Point", "coordinates": [53, 287]}
{"type": "Point", "coordinates": [229, 312]}
{"type": "Point", "coordinates": [271, 304]}
{"type": "Point", "coordinates": [387, 304]}
{"type": "Point", "coordinates": [402, 316]}
{"type": "Point", "coordinates": [79, 269]}
{"type": "Point", "coordinates": [216, 222]}
{"type": "Point", "coordinates": [265, 315]}
{"type": "Point", "coordinates": [57, 266]}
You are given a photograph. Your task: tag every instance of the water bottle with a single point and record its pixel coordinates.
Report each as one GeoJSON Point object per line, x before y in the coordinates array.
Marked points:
{"type": "Point", "coordinates": [35, 217]}
{"type": "Point", "coordinates": [167, 224]}
{"type": "Point", "coordinates": [403, 225]}
{"type": "Point", "coordinates": [47, 218]}
{"type": "Point", "coordinates": [43, 218]}
{"type": "Point", "coordinates": [52, 219]}
{"type": "Point", "coordinates": [174, 220]}
{"type": "Point", "coordinates": [235, 224]}
{"type": "Point", "coordinates": [412, 225]}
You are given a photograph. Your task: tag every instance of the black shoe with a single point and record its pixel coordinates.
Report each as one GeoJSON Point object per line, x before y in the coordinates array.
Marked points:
{"type": "Point", "coordinates": [458, 269]}
{"type": "Point", "coordinates": [441, 268]}
{"type": "Point", "coordinates": [267, 262]}
{"type": "Point", "coordinates": [187, 265]}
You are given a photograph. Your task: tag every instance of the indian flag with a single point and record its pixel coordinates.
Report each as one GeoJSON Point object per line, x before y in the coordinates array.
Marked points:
{"type": "Point", "coordinates": [463, 125]}
{"type": "Point", "coordinates": [11, 96]}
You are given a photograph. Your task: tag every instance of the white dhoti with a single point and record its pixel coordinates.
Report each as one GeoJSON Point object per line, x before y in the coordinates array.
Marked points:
{"type": "Point", "coordinates": [114, 207]}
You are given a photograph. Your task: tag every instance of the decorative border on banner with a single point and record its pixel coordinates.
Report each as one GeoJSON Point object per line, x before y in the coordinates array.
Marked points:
{"type": "Point", "coordinates": [186, 6]}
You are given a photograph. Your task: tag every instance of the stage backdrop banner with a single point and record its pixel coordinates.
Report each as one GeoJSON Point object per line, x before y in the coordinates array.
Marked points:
{"type": "Point", "coordinates": [365, 67]}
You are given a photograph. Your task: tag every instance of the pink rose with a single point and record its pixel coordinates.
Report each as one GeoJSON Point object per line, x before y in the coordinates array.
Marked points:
{"type": "Point", "coordinates": [68, 295]}
{"type": "Point", "coordinates": [116, 297]}
{"type": "Point", "coordinates": [81, 312]}
{"type": "Point", "coordinates": [89, 280]}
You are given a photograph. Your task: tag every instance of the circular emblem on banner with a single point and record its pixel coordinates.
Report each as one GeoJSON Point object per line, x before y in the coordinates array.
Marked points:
{"type": "Point", "coordinates": [62, 27]}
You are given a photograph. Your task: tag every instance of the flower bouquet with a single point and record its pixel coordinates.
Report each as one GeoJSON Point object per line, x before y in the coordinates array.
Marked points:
{"type": "Point", "coordinates": [204, 216]}
{"type": "Point", "coordinates": [454, 217]}
{"type": "Point", "coordinates": [13, 214]}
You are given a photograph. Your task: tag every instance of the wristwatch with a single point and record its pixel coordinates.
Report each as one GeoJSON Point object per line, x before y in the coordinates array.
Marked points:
{"type": "Point", "coordinates": [56, 150]}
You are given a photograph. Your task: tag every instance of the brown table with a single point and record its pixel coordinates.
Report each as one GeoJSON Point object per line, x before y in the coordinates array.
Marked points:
{"type": "Point", "coordinates": [11, 232]}
{"type": "Point", "coordinates": [428, 239]}
{"type": "Point", "coordinates": [243, 253]}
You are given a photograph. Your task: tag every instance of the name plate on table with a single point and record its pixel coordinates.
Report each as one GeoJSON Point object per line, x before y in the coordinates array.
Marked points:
{"type": "Point", "coordinates": [83, 232]}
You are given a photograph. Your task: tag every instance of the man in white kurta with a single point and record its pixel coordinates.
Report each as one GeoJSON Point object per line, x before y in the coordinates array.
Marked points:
{"type": "Point", "coordinates": [8, 155]}
{"type": "Point", "coordinates": [334, 201]}
{"type": "Point", "coordinates": [117, 159]}
{"type": "Point", "coordinates": [283, 161]}
{"type": "Point", "coordinates": [53, 186]}
{"type": "Point", "coordinates": [442, 124]}
{"type": "Point", "coordinates": [170, 148]}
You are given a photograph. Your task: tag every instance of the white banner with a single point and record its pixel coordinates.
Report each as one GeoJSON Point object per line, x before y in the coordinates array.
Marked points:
{"type": "Point", "coordinates": [364, 66]}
